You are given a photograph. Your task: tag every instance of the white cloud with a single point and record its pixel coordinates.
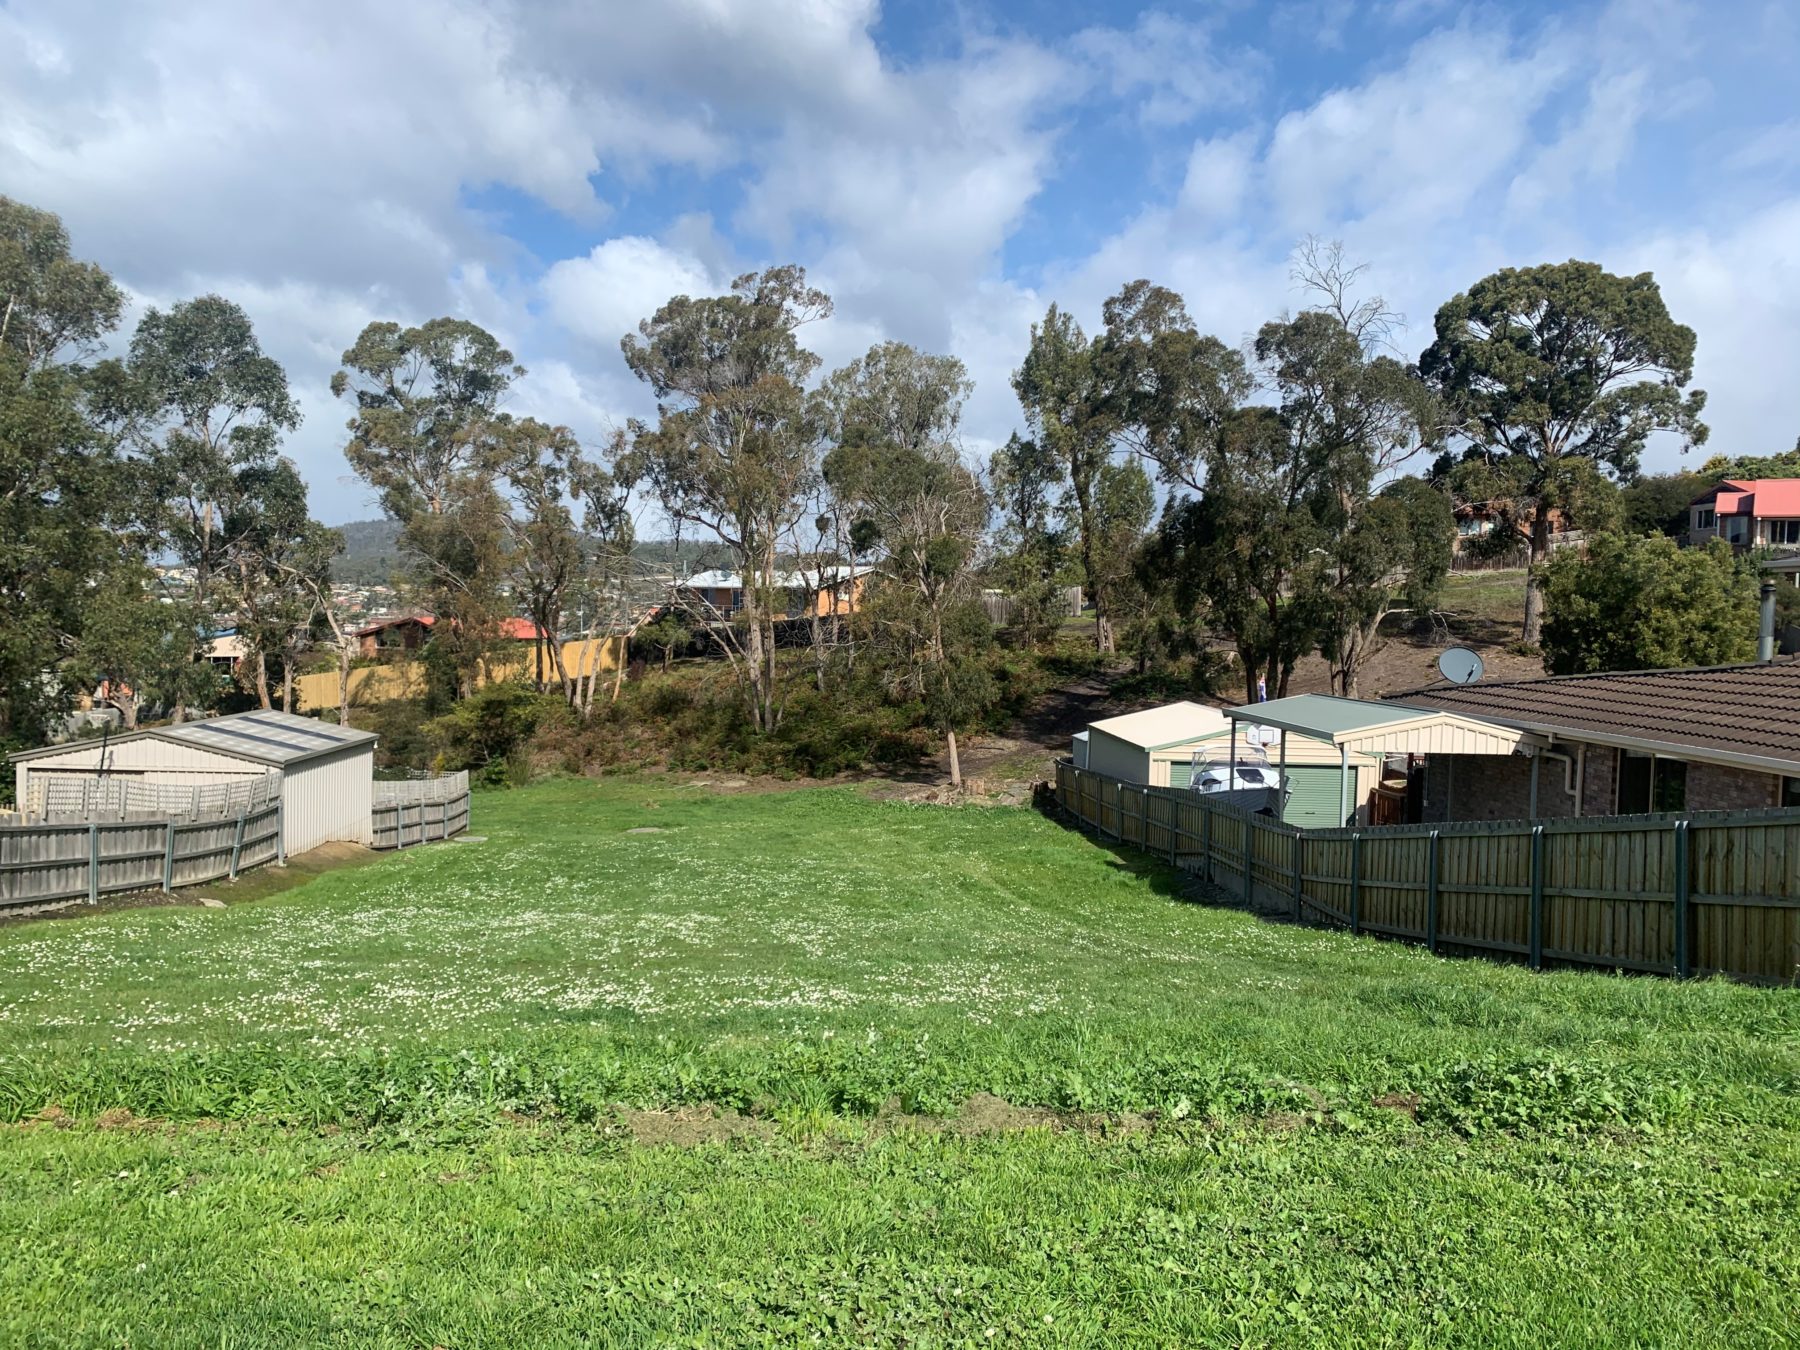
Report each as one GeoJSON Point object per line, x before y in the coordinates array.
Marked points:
{"type": "Point", "coordinates": [603, 296]}
{"type": "Point", "coordinates": [320, 167]}
{"type": "Point", "coordinates": [1738, 286]}
{"type": "Point", "coordinates": [1415, 144]}
{"type": "Point", "coordinates": [1219, 173]}
{"type": "Point", "coordinates": [1171, 67]}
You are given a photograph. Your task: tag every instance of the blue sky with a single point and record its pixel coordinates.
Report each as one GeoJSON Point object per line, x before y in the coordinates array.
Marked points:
{"type": "Point", "coordinates": [555, 169]}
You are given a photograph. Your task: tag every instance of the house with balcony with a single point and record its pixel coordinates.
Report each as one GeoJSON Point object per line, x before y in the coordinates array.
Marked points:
{"type": "Point", "coordinates": [1749, 513]}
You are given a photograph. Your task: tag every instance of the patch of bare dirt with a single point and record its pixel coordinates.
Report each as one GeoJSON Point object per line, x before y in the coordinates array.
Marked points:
{"type": "Point", "coordinates": [692, 1126]}
{"type": "Point", "coordinates": [1401, 1103]}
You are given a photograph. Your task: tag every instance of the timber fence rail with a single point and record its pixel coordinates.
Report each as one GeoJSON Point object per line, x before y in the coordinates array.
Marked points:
{"type": "Point", "coordinates": [47, 863]}
{"type": "Point", "coordinates": [1693, 894]}
{"type": "Point", "coordinates": [419, 810]}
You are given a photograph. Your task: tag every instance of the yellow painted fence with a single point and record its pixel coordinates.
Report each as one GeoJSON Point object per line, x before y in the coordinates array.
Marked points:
{"type": "Point", "coordinates": [406, 679]}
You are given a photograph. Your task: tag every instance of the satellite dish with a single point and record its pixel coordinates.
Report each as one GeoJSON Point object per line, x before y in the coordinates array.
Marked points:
{"type": "Point", "coordinates": [1459, 665]}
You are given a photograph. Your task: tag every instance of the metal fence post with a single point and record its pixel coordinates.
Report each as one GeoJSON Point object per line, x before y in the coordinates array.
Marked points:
{"type": "Point", "coordinates": [1684, 956]}
{"type": "Point", "coordinates": [1355, 883]}
{"type": "Point", "coordinates": [237, 845]}
{"type": "Point", "coordinates": [1537, 897]}
{"type": "Point", "coordinates": [1431, 892]}
{"type": "Point", "coordinates": [1299, 869]}
{"type": "Point", "coordinates": [280, 832]}
{"type": "Point", "coordinates": [93, 862]}
{"type": "Point", "coordinates": [169, 856]}
{"type": "Point", "coordinates": [1206, 817]}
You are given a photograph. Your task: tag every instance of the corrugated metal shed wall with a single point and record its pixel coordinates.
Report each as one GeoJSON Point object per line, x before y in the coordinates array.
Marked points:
{"type": "Point", "coordinates": [329, 799]}
{"type": "Point", "coordinates": [1109, 755]}
{"type": "Point", "coordinates": [149, 759]}
{"type": "Point", "coordinates": [325, 798]}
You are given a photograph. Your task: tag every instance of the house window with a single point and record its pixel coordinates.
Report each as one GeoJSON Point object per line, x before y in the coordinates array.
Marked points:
{"type": "Point", "coordinates": [1704, 518]}
{"type": "Point", "coordinates": [1651, 783]}
{"type": "Point", "coordinates": [1734, 529]}
{"type": "Point", "coordinates": [1790, 792]}
{"type": "Point", "coordinates": [1784, 531]}
{"type": "Point", "coordinates": [737, 600]}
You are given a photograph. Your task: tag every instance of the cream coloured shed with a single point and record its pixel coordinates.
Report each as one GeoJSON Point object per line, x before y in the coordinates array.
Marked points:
{"type": "Point", "coordinates": [1141, 747]}
{"type": "Point", "coordinates": [327, 772]}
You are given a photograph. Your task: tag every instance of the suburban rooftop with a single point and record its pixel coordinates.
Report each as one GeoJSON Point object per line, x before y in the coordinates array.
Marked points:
{"type": "Point", "coordinates": [1749, 712]}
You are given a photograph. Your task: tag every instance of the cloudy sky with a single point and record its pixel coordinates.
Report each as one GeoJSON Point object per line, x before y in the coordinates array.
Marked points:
{"type": "Point", "coordinates": [555, 169]}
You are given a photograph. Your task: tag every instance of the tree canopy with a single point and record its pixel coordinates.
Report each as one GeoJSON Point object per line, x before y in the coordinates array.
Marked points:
{"type": "Point", "coordinates": [1644, 603]}
{"type": "Point", "coordinates": [1540, 365]}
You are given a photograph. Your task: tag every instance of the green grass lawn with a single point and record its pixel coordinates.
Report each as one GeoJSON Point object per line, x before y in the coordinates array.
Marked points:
{"type": "Point", "coordinates": [734, 1081]}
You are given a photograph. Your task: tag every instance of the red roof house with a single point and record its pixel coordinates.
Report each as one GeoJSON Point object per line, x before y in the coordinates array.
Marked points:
{"type": "Point", "coordinates": [1750, 513]}
{"type": "Point", "coordinates": [409, 632]}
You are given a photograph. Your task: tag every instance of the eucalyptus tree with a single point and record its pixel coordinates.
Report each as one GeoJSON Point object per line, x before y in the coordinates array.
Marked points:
{"type": "Point", "coordinates": [1072, 418]}
{"type": "Point", "coordinates": [1170, 388]}
{"type": "Point", "coordinates": [206, 408]}
{"type": "Point", "coordinates": [1565, 362]}
{"type": "Point", "coordinates": [565, 524]}
{"type": "Point", "coordinates": [1022, 482]}
{"type": "Point", "coordinates": [1354, 417]}
{"type": "Point", "coordinates": [894, 475]}
{"type": "Point", "coordinates": [424, 436]}
{"type": "Point", "coordinates": [71, 521]}
{"type": "Point", "coordinates": [735, 447]}
{"type": "Point", "coordinates": [896, 466]}
{"type": "Point", "coordinates": [275, 541]}
{"type": "Point", "coordinates": [1245, 552]}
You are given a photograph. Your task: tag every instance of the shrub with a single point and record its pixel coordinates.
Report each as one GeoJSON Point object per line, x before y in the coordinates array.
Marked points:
{"type": "Point", "coordinates": [487, 732]}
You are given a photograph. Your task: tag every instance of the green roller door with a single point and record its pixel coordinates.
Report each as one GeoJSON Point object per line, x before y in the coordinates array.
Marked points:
{"type": "Point", "coordinates": [1181, 774]}
{"type": "Point", "coordinates": [1315, 800]}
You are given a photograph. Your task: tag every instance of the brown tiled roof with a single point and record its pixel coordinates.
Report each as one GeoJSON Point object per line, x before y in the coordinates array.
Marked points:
{"type": "Point", "coordinates": [1746, 713]}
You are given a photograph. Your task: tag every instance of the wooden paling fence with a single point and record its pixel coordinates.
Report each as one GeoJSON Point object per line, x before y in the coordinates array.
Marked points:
{"type": "Point", "coordinates": [1698, 894]}
{"type": "Point", "coordinates": [47, 862]}
{"type": "Point", "coordinates": [420, 810]}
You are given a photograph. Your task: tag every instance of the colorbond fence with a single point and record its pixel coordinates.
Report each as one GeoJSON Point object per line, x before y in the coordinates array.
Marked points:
{"type": "Point", "coordinates": [77, 798]}
{"type": "Point", "coordinates": [1705, 893]}
{"type": "Point", "coordinates": [46, 863]}
{"type": "Point", "coordinates": [419, 810]}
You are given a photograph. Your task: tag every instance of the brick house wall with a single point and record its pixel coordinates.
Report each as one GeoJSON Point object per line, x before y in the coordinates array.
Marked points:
{"type": "Point", "coordinates": [1492, 787]}
{"type": "Point", "coordinates": [1600, 781]}
{"type": "Point", "coordinates": [1711, 787]}
{"type": "Point", "coordinates": [1498, 787]}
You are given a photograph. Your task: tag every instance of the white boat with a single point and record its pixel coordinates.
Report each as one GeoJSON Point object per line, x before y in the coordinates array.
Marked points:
{"type": "Point", "coordinates": [1250, 780]}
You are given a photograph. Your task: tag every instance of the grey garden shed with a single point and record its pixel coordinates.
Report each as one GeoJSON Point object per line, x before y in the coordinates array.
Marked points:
{"type": "Point", "coordinates": [326, 772]}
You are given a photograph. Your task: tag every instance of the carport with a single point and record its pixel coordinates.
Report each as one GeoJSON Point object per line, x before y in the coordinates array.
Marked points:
{"type": "Point", "coordinates": [1354, 726]}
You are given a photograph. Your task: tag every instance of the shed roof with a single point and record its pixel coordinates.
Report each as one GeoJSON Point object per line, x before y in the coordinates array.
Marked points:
{"type": "Point", "coordinates": [1739, 715]}
{"type": "Point", "coordinates": [1377, 728]}
{"type": "Point", "coordinates": [264, 736]}
{"type": "Point", "coordinates": [1157, 728]}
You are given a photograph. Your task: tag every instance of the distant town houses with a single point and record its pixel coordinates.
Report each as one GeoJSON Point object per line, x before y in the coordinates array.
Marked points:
{"type": "Point", "coordinates": [822, 590]}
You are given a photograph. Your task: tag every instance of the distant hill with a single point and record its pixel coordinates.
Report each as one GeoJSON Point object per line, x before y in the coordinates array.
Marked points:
{"type": "Point", "coordinates": [372, 553]}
